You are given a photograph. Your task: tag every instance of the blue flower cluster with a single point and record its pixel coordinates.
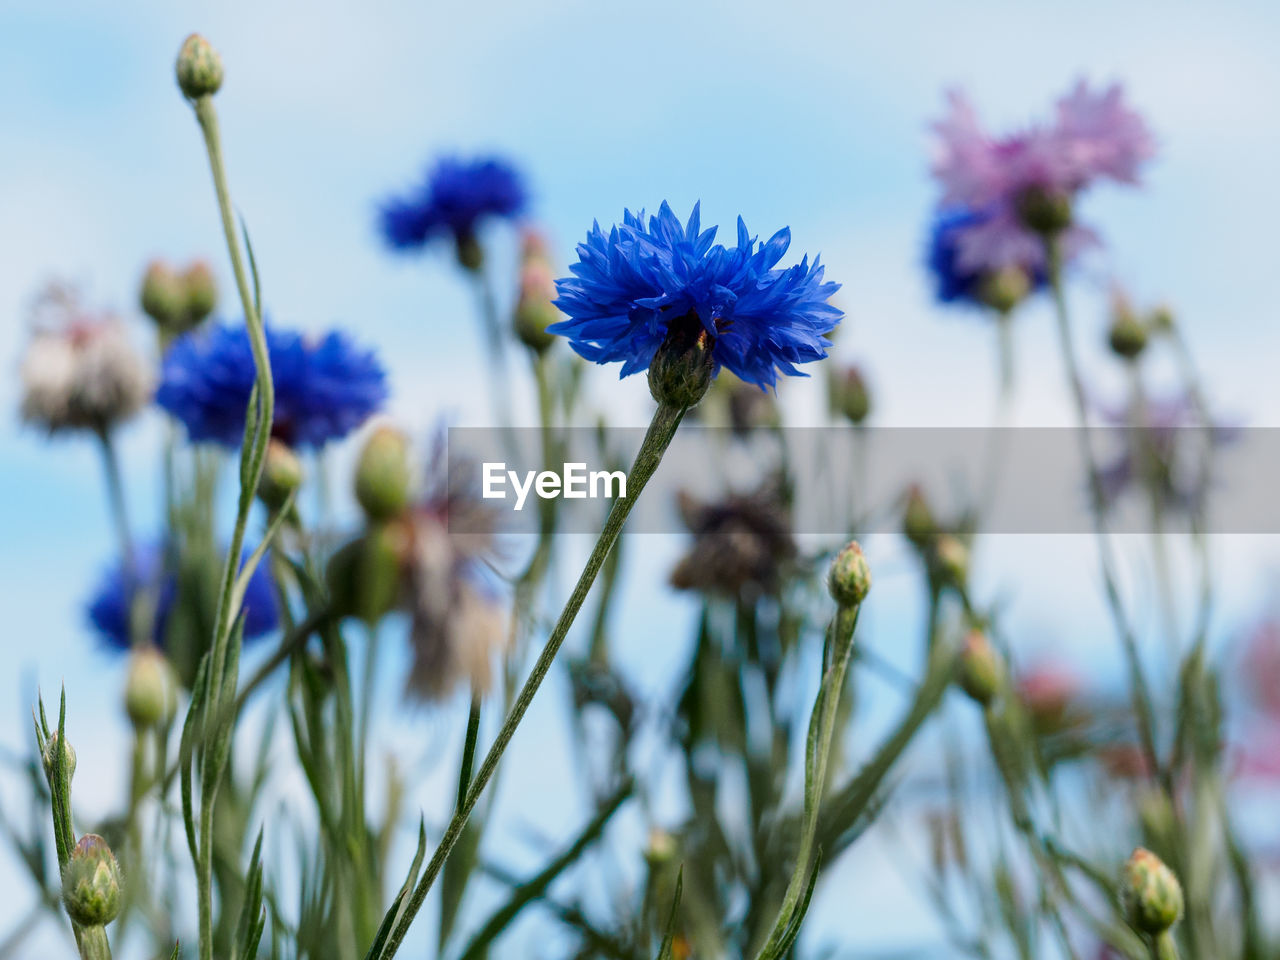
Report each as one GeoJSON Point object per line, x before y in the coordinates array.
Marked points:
{"type": "Point", "coordinates": [324, 388]}
{"type": "Point", "coordinates": [632, 282]}
{"type": "Point", "coordinates": [109, 609]}
{"type": "Point", "coordinates": [455, 197]}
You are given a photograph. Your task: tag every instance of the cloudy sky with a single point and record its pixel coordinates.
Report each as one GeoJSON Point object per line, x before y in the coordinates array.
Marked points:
{"type": "Point", "coordinates": [813, 115]}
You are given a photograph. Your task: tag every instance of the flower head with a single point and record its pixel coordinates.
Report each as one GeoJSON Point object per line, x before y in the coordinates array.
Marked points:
{"type": "Point", "coordinates": [80, 370]}
{"type": "Point", "coordinates": [632, 285]}
{"type": "Point", "coordinates": [455, 198]}
{"type": "Point", "coordinates": [149, 576]}
{"type": "Point", "coordinates": [459, 620]}
{"type": "Point", "coordinates": [1163, 445]}
{"type": "Point", "coordinates": [1095, 136]}
{"type": "Point", "coordinates": [1019, 275]}
{"type": "Point", "coordinates": [325, 387]}
{"type": "Point", "coordinates": [742, 545]}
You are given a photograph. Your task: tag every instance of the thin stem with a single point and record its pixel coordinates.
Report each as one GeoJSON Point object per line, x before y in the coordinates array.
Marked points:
{"type": "Point", "coordinates": [1140, 694]}
{"type": "Point", "coordinates": [252, 457]}
{"type": "Point", "coordinates": [822, 725]}
{"type": "Point", "coordinates": [495, 344]}
{"type": "Point", "coordinates": [115, 494]}
{"type": "Point", "coordinates": [1163, 947]}
{"type": "Point", "coordinates": [663, 427]}
{"type": "Point", "coordinates": [94, 944]}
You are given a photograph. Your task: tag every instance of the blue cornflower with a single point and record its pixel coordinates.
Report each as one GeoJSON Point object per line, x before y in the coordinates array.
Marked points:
{"type": "Point", "coordinates": [455, 197]}
{"type": "Point", "coordinates": [324, 387]}
{"type": "Point", "coordinates": [630, 285]}
{"type": "Point", "coordinates": [109, 609]}
{"type": "Point", "coordinates": [957, 284]}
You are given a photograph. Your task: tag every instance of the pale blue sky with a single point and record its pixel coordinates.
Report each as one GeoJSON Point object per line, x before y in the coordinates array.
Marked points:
{"type": "Point", "coordinates": [808, 114]}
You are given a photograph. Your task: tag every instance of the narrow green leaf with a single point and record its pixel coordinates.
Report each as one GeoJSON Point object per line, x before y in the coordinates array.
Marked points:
{"type": "Point", "coordinates": [669, 937]}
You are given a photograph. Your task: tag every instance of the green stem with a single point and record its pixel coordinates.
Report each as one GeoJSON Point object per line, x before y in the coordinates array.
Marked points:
{"type": "Point", "coordinates": [1141, 695]}
{"type": "Point", "coordinates": [663, 427]}
{"type": "Point", "coordinates": [1163, 947]}
{"type": "Point", "coordinates": [822, 725]}
{"type": "Point", "coordinates": [252, 456]}
{"type": "Point", "coordinates": [93, 944]}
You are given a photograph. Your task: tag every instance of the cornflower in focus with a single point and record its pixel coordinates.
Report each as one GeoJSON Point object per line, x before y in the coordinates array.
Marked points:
{"type": "Point", "coordinates": [646, 284]}
{"type": "Point", "coordinates": [454, 201]}
{"type": "Point", "coordinates": [325, 386]}
{"type": "Point", "coordinates": [80, 370]}
{"type": "Point", "coordinates": [1009, 192]}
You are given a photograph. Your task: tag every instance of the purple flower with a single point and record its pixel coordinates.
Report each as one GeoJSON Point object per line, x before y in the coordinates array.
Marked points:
{"type": "Point", "coordinates": [1095, 136]}
{"type": "Point", "coordinates": [1155, 452]}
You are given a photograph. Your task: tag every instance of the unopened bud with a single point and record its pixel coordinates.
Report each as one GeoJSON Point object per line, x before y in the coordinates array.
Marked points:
{"type": "Point", "coordinates": [917, 518]}
{"type": "Point", "coordinates": [1161, 319]}
{"type": "Point", "coordinates": [282, 474]}
{"type": "Point", "coordinates": [151, 689]}
{"type": "Point", "coordinates": [47, 758]}
{"type": "Point", "coordinates": [1128, 334]}
{"type": "Point", "coordinates": [662, 847]}
{"type": "Point", "coordinates": [951, 560]}
{"type": "Point", "coordinates": [365, 576]}
{"type": "Point", "coordinates": [199, 68]}
{"type": "Point", "coordinates": [850, 396]}
{"type": "Point", "coordinates": [91, 883]}
{"type": "Point", "coordinates": [1150, 893]}
{"type": "Point", "coordinates": [383, 475]}
{"type": "Point", "coordinates": [980, 669]}
{"type": "Point", "coordinates": [681, 369]}
{"type": "Point", "coordinates": [534, 310]}
{"type": "Point", "coordinates": [849, 579]}
{"type": "Point", "coordinates": [1046, 212]}
{"type": "Point", "coordinates": [163, 296]}
{"type": "Point", "coordinates": [1004, 289]}
{"type": "Point", "coordinates": [202, 291]}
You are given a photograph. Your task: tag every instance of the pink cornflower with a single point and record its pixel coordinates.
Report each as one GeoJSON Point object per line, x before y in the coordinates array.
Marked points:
{"type": "Point", "coordinates": [1023, 184]}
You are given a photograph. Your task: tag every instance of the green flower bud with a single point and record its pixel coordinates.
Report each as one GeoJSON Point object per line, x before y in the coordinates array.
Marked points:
{"type": "Point", "coordinates": [534, 310]}
{"type": "Point", "coordinates": [951, 560]}
{"type": "Point", "coordinates": [150, 689]}
{"type": "Point", "coordinates": [1004, 289]}
{"type": "Point", "coordinates": [91, 883]}
{"type": "Point", "coordinates": [849, 579]}
{"type": "Point", "coordinates": [47, 758]}
{"type": "Point", "coordinates": [383, 475]}
{"type": "Point", "coordinates": [366, 576]}
{"type": "Point", "coordinates": [681, 369]}
{"type": "Point", "coordinates": [1150, 893]}
{"type": "Point", "coordinates": [201, 290]}
{"type": "Point", "coordinates": [1161, 319]}
{"type": "Point", "coordinates": [980, 669]}
{"type": "Point", "coordinates": [1128, 334]}
{"type": "Point", "coordinates": [282, 474]}
{"type": "Point", "coordinates": [917, 518]}
{"type": "Point", "coordinates": [163, 296]}
{"type": "Point", "coordinates": [663, 847]}
{"type": "Point", "coordinates": [199, 68]}
{"type": "Point", "coordinates": [849, 395]}
{"type": "Point", "coordinates": [1046, 212]}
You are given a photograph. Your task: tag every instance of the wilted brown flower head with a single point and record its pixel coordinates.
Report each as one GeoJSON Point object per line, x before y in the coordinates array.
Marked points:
{"type": "Point", "coordinates": [80, 370]}
{"type": "Point", "coordinates": [741, 543]}
{"type": "Point", "coordinates": [458, 613]}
